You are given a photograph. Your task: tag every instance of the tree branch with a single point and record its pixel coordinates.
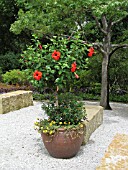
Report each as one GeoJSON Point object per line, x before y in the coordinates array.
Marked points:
{"type": "Point", "coordinates": [99, 25]}
{"type": "Point", "coordinates": [99, 47]}
{"type": "Point", "coordinates": [115, 22]}
{"type": "Point", "coordinates": [109, 25]}
{"type": "Point", "coordinates": [104, 22]}
{"type": "Point", "coordinates": [117, 46]}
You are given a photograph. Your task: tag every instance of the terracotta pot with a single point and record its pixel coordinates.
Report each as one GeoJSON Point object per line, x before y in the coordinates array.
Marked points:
{"type": "Point", "coordinates": [64, 143]}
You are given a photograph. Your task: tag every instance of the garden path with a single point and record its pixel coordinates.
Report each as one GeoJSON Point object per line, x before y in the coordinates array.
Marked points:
{"type": "Point", "coordinates": [21, 147]}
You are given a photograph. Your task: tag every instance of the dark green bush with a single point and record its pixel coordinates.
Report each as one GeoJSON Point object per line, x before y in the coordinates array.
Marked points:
{"type": "Point", "coordinates": [119, 98]}
{"type": "Point", "coordinates": [68, 109]}
{"type": "Point", "coordinates": [1, 74]}
{"type": "Point", "coordinates": [9, 61]}
{"type": "Point", "coordinates": [118, 70]}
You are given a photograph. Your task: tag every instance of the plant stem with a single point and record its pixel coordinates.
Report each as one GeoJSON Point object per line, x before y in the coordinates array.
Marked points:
{"type": "Point", "coordinates": [57, 89]}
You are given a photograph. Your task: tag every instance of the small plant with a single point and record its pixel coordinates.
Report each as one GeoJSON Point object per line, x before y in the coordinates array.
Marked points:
{"type": "Point", "coordinates": [69, 113]}
{"type": "Point", "coordinates": [55, 64]}
{"type": "Point", "coordinates": [14, 77]}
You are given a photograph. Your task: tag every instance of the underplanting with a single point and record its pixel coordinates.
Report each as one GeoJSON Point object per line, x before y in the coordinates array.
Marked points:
{"type": "Point", "coordinates": [5, 88]}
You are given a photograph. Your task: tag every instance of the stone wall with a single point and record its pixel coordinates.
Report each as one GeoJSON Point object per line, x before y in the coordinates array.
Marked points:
{"type": "Point", "coordinates": [15, 100]}
{"type": "Point", "coordinates": [95, 119]}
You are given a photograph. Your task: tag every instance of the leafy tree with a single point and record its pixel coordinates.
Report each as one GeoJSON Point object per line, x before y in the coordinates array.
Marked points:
{"type": "Point", "coordinates": [119, 71]}
{"type": "Point", "coordinates": [101, 22]}
{"type": "Point", "coordinates": [9, 61]}
{"type": "Point", "coordinates": [9, 42]}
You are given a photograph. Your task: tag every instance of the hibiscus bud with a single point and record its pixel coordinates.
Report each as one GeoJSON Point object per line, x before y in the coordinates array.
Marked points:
{"type": "Point", "coordinates": [76, 75]}
{"type": "Point", "coordinates": [73, 69]}
{"type": "Point", "coordinates": [40, 46]}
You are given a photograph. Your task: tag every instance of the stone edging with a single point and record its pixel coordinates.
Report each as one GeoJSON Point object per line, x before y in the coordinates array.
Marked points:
{"type": "Point", "coordinates": [95, 119]}
{"type": "Point", "coordinates": [15, 100]}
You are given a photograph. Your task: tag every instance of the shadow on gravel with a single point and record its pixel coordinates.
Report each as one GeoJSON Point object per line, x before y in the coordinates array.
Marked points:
{"type": "Point", "coordinates": [120, 112]}
{"type": "Point", "coordinates": [41, 148]}
{"type": "Point", "coordinates": [109, 121]}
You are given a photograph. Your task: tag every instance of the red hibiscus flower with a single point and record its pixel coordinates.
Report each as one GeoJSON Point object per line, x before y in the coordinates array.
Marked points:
{"type": "Point", "coordinates": [73, 68]}
{"type": "Point", "coordinates": [37, 75]}
{"type": "Point", "coordinates": [40, 46]}
{"type": "Point", "coordinates": [76, 75]}
{"type": "Point", "coordinates": [91, 52]}
{"type": "Point", "coordinates": [56, 55]}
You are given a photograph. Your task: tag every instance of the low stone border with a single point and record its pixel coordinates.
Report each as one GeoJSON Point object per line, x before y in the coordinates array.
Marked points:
{"type": "Point", "coordinates": [15, 100]}
{"type": "Point", "coordinates": [94, 120]}
{"type": "Point", "coordinates": [116, 156]}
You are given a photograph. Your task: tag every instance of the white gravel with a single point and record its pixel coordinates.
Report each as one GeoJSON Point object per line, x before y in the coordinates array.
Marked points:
{"type": "Point", "coordinates": [21, 147]}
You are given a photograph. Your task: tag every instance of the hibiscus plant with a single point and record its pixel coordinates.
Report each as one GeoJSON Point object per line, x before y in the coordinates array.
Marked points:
{"type": "Point", "coordinates": [54, 65]}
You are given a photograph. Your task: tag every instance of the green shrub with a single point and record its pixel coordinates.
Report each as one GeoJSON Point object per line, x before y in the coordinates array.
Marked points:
{"type": "Point", "coordinates": [95, 88]}
{"type": "Point", "coordinates": [9, 61]}
{"type": "Point", "coordinates": [0, 74]}
{"type": "Point", "coordinates": [15, 77]}
{"type": "Point", "coordinates": [69, 109]}
{"type": "Point", "coordinates": [119, 98]}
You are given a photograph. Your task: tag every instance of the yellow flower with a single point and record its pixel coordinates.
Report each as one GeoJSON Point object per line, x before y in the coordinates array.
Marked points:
{"type": "Point", "coordinates": [47, 128]}
{"type": "Point", "coordinates": [69, 123]}
{"type": "Point", "coordinates": [36, 123]}
{"type": "Point", "coordinates": [51, 132]}
{"type": "Point", "coordinates": [41, 128]}
{"type": "Point", "coordinates": [50, 124]}
{"type": "Point", "coordinates": [45, 131]}
{"type": "Point", "coordinates": [53, 122]}
{"type": "Point", "coordinates": [81, 125]}
{"type": "Point", "coordinates": [60, 123]}
{"type": "Point", "coordinates": [65, 123]}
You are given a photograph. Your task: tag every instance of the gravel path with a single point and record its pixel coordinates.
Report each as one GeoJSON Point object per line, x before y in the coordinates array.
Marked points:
{"type": "Point", "coordinates": [21, 147]}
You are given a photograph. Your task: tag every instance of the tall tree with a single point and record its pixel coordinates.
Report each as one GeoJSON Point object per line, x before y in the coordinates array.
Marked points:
{"type": "Point", "coordinates": [96, 19]}
{"type": "Point", "coordinates": [8, 40]}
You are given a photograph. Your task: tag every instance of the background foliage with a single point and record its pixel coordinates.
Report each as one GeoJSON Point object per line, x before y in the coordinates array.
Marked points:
{"type": "Point", "coordinates": [47, 18]}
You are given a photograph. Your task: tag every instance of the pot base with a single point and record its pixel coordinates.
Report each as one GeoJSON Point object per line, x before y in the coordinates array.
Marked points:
{"type": "Point", "coordinates": [64, 143]}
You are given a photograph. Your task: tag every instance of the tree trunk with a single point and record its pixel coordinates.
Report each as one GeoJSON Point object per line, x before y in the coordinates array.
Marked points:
{"type": "Point", "coordinates": [105, 83]}
{"type": "Point", "coordinates": [105, 64]}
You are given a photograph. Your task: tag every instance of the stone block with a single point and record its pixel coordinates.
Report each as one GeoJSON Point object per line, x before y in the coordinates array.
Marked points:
{"type": "Point", "coordinates": [15, 100]}
{"type": "Point", "coordinates": [94, 120]}
{"type": "Point", "coordinates": [116, 156]}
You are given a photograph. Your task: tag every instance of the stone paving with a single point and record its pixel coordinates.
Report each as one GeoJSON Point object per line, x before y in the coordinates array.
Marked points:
{"type": "Point", "coordinates": [116, 156]}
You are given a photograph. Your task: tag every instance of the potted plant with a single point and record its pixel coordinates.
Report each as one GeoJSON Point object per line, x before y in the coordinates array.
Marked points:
{"type": "Point", "coordinates": [54, 65]}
